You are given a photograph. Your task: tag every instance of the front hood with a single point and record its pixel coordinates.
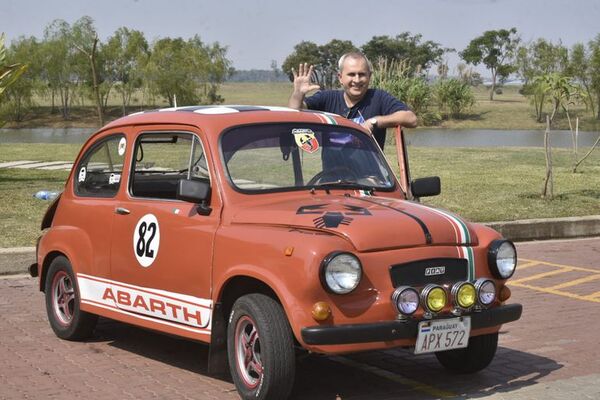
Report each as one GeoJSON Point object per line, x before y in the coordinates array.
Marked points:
{"type": "Point", "coordinates": [370, 223]}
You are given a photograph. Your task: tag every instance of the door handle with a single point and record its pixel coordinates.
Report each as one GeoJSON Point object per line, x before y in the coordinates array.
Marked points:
{"type": "Point", "coordinates": [122, 211]}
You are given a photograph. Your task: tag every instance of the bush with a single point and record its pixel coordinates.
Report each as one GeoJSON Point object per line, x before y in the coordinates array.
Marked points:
{"type": "Point", "coordinates": [454, 97]}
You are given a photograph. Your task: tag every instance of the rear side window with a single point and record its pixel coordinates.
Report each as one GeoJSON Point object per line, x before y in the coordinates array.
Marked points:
{"type": "Point", "coordinates": [162, 159]}
{"type": "Point", "coordinates": [98, 174]}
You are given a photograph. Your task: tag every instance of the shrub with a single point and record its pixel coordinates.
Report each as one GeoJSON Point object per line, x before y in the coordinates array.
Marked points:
{"type": "Point", "coordinates": [453, 97]}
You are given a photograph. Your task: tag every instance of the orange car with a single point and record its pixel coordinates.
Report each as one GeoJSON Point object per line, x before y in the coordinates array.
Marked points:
{"type": "Point", "coordinates": [262, 230]}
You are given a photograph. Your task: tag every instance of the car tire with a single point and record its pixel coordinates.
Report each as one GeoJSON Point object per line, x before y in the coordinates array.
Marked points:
{"type": "Point", "coordinates": [63, 301]}
{"type": "Point", "coordinates": [260, 348]}
{"type": "Point", "coordinates": [476, 356]}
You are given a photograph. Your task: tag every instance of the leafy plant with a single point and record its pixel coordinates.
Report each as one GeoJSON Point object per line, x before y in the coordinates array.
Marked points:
{"type": "Point", "coordinates": [454, 97]}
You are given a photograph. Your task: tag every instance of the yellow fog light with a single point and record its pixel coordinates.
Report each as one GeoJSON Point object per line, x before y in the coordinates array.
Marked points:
{"type": "Point", "coordinates": [321, 311]}
{"type": "Point", "coordinates": [434, 298]}
{"type": "Point", "coordinates": [464, 294]}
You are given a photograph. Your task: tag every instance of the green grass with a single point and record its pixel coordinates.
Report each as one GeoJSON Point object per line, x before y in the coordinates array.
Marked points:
{"type": "Point", "coordinates": [509, 110]}
{"type": "Point", "coordinates": [479, 184]}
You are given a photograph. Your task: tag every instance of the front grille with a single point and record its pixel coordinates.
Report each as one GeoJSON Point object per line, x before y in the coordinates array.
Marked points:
{"type": "Point", "coordinates": [414, 272]}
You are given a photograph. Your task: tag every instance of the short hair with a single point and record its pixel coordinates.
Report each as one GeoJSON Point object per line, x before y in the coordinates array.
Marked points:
{"type": "Point", "coordinates": [357, 55]}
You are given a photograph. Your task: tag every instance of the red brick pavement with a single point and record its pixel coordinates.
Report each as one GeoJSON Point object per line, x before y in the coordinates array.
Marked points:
{"type": "Point", "coordinates": [552, 349]}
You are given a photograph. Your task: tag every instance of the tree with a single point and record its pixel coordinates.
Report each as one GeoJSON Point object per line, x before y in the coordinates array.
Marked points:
{"type": "Point", "coordinates": [539, 58]}
{"type": "Point", "coordinates": [580, 68]}
{"type": "Point", "coordinates": [324, 59]}
{"type": "Point", "coordinates": [9, 73]}
{"type": "Point", "coordinates": [85, 39]}
{"type": "Point", "coordinates": [496, 50]}
{"type": "Point", "coordinates": [562, 93]}
{"type": "Point", "coordinates": [19, 96]}
{"type": "Point", "coordinates": [188, 71]}
{"type": "Point", "coordinates": [59, 59]}
{"type": "Point", "coordinates": [126, 54]}
{"type": "Point", "coordinates": [420, 55]}
{"type": "Point", "coordinates": [594, 71]}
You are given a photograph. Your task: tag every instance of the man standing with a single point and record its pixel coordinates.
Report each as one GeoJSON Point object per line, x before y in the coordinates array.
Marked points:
{"type": "Point", "coordinates": [374, 109]}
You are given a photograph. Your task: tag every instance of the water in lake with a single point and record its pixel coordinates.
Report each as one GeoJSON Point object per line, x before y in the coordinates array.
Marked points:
{"type": "Point", "coordinates": [418, 138]}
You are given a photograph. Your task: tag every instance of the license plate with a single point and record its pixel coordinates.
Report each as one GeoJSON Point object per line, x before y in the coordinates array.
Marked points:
{"type": "Point", "coordinates": [443, 334]}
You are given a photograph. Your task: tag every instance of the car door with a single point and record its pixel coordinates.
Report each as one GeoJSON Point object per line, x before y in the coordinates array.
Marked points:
{"type": "Point", "coordinates": [96, 182]}
{"type": "Point", "coordinates": [162, 247]}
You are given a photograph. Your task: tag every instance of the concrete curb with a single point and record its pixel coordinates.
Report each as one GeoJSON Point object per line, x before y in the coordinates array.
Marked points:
{"type": "Point", "coordinates": [543, 229]}
{"type": "Point", "coordinates": [16, 260]}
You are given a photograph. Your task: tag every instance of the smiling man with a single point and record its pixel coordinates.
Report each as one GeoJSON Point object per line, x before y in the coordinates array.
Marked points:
{"type": "Point", "coordinates": [375, 109]}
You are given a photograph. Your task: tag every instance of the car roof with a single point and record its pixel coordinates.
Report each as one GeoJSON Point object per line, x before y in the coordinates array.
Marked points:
{"type": "Point", "coordinates": [215, 118]}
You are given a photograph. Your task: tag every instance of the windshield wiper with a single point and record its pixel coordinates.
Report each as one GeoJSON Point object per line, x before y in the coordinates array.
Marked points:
{"type": "Point", "coordinates": [343, 184]}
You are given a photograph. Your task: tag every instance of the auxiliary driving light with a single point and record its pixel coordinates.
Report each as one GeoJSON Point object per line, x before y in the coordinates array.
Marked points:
{"type": "Point", "coordinates": [406, 300]}
{"type": "Point", "coordinates": [434, 298]}
{"type": "Point", "coordinates": [464, 295]}
{"type": "Point", "coordinates": [486, 291]}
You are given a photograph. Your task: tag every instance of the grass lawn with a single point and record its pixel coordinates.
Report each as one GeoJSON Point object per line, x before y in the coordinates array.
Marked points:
{"type": "Point", "coordinates": [479, 184]}
{"type": "Point", "coordinates": [509, 110]}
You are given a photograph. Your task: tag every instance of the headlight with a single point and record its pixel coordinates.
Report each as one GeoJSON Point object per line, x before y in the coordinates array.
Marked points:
{"type": "Point", "coordinates": [340, 272]}
{"type": "Point", "coordinates": [486, 291]}
{"type": "Point", "coordinates": [502, 258]}
{"type": "Point", "coordinates": [464, 295]}
{"type": "Point", "coordinates": [433, 298]}
{"type": "Point", "coordinates": [406, 300]}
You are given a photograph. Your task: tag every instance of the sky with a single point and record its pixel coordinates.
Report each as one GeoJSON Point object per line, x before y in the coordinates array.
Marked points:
{"type": "Point", "coordinates": [259, 31]}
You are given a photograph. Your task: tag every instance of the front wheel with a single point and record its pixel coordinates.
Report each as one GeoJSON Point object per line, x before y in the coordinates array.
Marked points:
{"type": "Point", "coordinates": [476, 356]}
{"type": "Point", "coordinates": [62, 303]}
{"type": "Point", "coordinates": [260, 348]}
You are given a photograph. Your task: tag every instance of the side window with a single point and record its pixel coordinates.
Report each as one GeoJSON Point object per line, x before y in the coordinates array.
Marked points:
{"type": "Point", "coordinates": [99, 172]}
{"type": "Point", "coordinates": [162, 159]}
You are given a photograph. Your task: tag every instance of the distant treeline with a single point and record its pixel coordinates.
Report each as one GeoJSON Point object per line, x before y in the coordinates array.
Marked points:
{"type": "Point", "coordinates": [257, 75]}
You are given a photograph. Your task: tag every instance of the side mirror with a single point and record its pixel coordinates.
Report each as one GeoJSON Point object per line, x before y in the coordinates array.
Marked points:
{"type": "Point", "coordinates": [195, 191]}
{"type": "Point", "coordinates": [424, 187]}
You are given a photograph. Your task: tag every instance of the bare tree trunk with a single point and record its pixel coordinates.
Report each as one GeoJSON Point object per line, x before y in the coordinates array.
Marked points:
{"type": "Point", "coordinates": [92, 58]}
{"type": "Point", "coordinates": [548, 190]}
{"type": "Point", "coordinates": [493, 85]}
{"type": "Point", "coordinates": [587, 154]}
{"type": "Point", "coordinates": [575, 137]}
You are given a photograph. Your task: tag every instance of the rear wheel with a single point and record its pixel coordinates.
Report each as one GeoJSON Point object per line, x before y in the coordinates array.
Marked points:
{"type": "Point", "coordinates": [62, 303]}
{"type": "Point", "coordinates": [260, 348]}
{"type": "Point", "coordinates": [476, 356]}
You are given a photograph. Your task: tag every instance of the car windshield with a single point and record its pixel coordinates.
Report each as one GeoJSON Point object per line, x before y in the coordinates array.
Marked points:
{"type": "Point", "coordinates": [292, 156]}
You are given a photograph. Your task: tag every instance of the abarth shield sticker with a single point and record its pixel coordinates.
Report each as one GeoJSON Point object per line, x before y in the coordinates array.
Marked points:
{"type": "Point", "coordinates": [146, 240]}
{"type": "Point", "coordinates": [122, 146]}
{"type": "Point", "coordinates": [306, 140]}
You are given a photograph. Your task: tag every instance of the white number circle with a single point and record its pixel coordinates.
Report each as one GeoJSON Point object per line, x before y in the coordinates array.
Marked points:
{"type": "Point", "coordinates": [146, 240]}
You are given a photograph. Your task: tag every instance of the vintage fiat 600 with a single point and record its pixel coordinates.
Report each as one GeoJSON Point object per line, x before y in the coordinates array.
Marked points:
{"type": "Point", "coordinates": [266, 231]}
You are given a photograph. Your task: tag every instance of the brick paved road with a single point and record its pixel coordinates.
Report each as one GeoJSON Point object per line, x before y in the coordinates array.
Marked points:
{"type": "Point", "coordinates": [551, 353]}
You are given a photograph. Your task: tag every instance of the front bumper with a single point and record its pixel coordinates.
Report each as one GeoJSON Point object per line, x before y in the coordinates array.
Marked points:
{"type": "Point", "coordinates": [394, 330]}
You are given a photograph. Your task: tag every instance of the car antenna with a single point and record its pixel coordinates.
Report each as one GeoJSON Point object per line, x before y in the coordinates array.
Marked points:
{"type": "Point", "coordinates": [175, 100]}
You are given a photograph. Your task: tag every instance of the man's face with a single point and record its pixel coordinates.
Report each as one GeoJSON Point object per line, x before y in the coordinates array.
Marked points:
{"type": "Point", "coordinates": [355, 78]}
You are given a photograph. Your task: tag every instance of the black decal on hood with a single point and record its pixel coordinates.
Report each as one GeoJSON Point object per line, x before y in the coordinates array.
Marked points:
{"type": "Point", "coordinates": [417, 219]}
{"type": "Point", "coordinates": [334, 218]}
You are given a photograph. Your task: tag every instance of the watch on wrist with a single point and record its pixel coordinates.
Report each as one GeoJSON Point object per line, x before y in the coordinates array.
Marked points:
{"type": "Point", "coordinates": [373, 121]}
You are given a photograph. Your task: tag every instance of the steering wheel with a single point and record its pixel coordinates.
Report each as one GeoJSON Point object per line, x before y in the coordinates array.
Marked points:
{"type": "Point", "coordinates": [334, 174]}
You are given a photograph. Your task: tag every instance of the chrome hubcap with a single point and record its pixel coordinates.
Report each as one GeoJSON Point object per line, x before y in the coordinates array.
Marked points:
{"type": "Point", "coordinates": [249, 362]}
{"type": "Point", "coordinates": [63, 298]}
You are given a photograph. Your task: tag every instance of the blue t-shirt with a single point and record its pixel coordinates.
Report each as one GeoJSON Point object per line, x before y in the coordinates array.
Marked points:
{"type": "Point", "coordinates": [376, 102]}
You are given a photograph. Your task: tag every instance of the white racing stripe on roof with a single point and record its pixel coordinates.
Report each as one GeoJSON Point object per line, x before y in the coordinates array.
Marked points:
{"type": "Point", "coordinates": [216, 110]}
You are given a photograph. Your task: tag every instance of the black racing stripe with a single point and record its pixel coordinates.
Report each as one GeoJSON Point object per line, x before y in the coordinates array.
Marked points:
{"type": "Point", "coordinates": [417, 219]}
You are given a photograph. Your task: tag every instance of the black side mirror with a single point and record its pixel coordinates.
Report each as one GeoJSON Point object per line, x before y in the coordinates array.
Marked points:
{"type": "Point", "coordinates": [424, 187]}
{"type": "Point", "coordinates": [195, 191]}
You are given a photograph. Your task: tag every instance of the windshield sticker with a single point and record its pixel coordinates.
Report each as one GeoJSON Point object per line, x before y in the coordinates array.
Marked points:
{"type": "Point", "coordinates": [114, 178]}
{"type": "Point", "coordinates": [306, 140]}
{"type": "Point", "coordinates": [82, 174]}
{"type": "Point", "coordinates": [146, 240]}
{"type": "Point", "coordinates": [122, 146]}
